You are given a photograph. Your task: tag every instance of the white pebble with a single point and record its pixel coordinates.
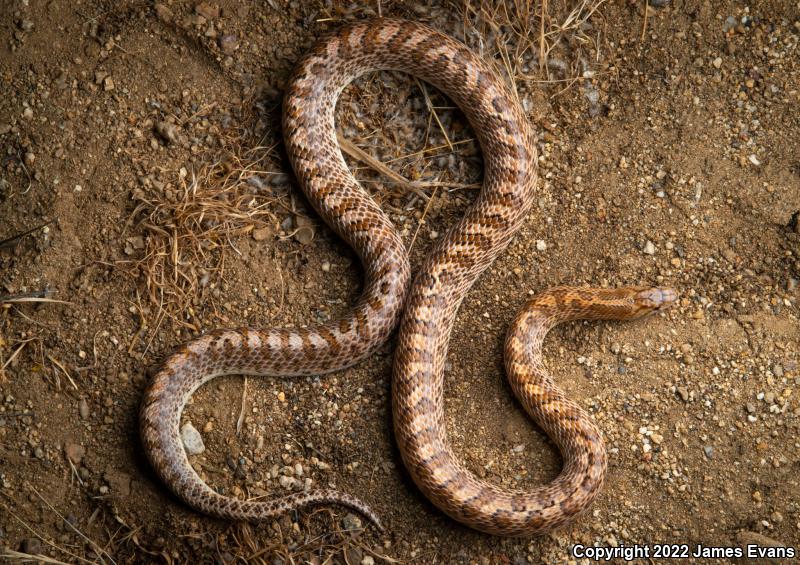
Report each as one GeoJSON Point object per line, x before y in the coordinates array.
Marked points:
{"type": "Point", "coordinates": [192, 440]}
{"type": "Point", "coordinates": [649, 248]}
{"type": "Point", "coordinates": [541, 245]}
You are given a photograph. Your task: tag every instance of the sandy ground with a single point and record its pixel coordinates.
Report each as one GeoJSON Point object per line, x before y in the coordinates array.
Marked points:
{"type": "Point", "coordinates": [140, 144]}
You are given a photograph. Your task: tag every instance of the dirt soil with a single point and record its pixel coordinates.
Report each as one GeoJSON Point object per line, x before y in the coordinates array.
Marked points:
{"type": "Point", "coordinates": [140, 144]}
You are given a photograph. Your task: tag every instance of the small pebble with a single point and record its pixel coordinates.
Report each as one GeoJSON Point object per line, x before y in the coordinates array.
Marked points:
{"type": "Point", "coordinates": [541, 245]}
{"type": "Point", "coordinates": [351, 522]}
{"type": "Point", "coordinates": [163, 12]}
{"type": "Point", "coordinates": [192, 440]}
{"type": "Point", "coordinates": [168, 132]}
{"type": "Point", "coordinates": [74, 453]}
{"type": "Point", "coordinates": [229, 43]}
{"type": "Point", "coordinates": [83, 409]}
{"type": "Point", "coordinates": [31, 546]}
{"type": "Point", "coordinates": [649, 248]}
{"type": "Point", "coordinates": [261, 234]}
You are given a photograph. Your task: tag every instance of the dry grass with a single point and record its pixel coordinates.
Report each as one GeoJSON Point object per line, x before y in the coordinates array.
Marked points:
{"type": "Point", "coordinates": [187, 231]}
{"type": "Point", "coordinates": [295, 545]}
{"type": "Point", "coordinates": [544, 42]}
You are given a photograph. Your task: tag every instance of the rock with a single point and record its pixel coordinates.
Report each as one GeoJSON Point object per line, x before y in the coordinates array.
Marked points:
{"type": "Point", "coordinates": [649, 248]}
{"type": "Point", "coordinates": [729, 255]}
{"type": "Point", "coordinates": [541, 245]}
{"type": "Point", "coordinates": [351, 522]}
{"type": "Point", "coordinates": [304, 233]}
{"type": "Point", "coordinates": [794, 222]}
{"type": "Point", "coordinates": [229, 43]}
{"type": "Point", "coordinates": [75, 453]}
{"type": "Point", "coordinates": [168, 132]}
{"type": "Point", "coordinates": [709, 451]}
{"type": "Point", "coordinates": [31, 546]}
{"type": "Point", "coordinates": [262, 234]}
{"type": "Point", "coordinates": [353, 555]}
{"type": "Point", "coordinates": [163, 12]}
{"type": "Point", "coordinates": [192, 440]}
{"type": "Point", "coordinates": [83, 409]}
{"type": "Point", "coordinates": [119, 482]}
{"type": "Point", "coordinates": [717, 62]}
{"type": "Point", "coordinates": [208, 11]}
{"type": "Point", "coordinates": [279, 179]}
{"type": "Point", "coordinates": [367, 560]}
{"type": "Point", "coordinates": [683, 393]}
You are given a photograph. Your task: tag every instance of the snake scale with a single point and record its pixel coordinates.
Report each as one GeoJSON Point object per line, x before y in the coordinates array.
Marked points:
{"type": "Point", "coordinates": [425, 309]}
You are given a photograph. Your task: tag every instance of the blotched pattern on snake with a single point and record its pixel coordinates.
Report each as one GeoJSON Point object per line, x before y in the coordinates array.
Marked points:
{"type": "Point", "coordinates": [428, 307]}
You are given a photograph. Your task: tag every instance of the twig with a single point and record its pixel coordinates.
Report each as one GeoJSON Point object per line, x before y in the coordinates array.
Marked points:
{"type": "Point", "coordinates": [14, 355]}
{"type": "Point", "coordinates": [60, 366]}
{"type": "Point", "coordinates": [41, 537]}
{"type": "Point", "coordinates": [357, 153]}
{"type": "Point", "coordinates": [20, 298]}
{"type": "Point", "coordinates": [421, 221]}
{"type": "Point", "coordinates": [240, 419]}
{"type": "Point", "coordinates": [644, 22]}
{"type": "Point", "coordinates": [432, 110]}
{"type": "Point", "coordinates": [26, 557]}
{"type": "Point", "coordinates": [96, 547]}
{"type": "Point", "coordinates": [13, 239]}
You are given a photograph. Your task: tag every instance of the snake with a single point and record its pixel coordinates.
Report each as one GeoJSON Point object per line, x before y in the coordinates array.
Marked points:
{"type": "Point", "coordinates": [424, 309]}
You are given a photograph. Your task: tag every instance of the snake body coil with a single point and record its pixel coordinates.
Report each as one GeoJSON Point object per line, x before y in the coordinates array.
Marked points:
{"type": "Point", "coordinates": [428, 309]}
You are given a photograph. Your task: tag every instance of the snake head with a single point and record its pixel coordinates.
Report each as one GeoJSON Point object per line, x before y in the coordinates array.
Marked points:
{"type": "Point", "coordinates": [652, 299]}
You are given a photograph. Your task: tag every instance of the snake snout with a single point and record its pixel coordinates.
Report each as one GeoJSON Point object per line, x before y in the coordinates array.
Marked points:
{"type": "Point", "coordinates": [656, 298]}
